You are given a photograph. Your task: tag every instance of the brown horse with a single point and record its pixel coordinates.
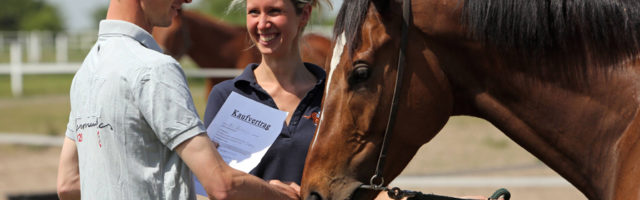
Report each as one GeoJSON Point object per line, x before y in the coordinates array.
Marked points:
{"type": "Point", "coordinates": [215, 44]}
{"type": "Point", "coordinates": [560, 78]}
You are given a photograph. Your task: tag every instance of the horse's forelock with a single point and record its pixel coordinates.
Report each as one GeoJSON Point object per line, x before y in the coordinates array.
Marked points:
{"type": "Point", "coordinates": [350, 18]}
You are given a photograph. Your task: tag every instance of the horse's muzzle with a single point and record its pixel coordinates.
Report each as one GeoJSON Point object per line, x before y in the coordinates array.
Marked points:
{"type": "Point", "coordinates": [342, 192]}
{"type": "Point", "coordinates": [314, 196]}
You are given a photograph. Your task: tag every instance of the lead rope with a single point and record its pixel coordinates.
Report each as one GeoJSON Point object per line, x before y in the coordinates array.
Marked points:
{"type": "Point", "coordinates": [397, 193]}
{"type": "Point", "coordinates": [501, 193]}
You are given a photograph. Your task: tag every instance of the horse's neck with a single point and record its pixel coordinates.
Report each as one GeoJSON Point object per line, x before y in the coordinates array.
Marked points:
{"type": "Point", "coordinates": [215, 44]}
{"type": "Point", "coordinates": [208, 32]}
{"type": "Point", "coordinates": [577, 131]}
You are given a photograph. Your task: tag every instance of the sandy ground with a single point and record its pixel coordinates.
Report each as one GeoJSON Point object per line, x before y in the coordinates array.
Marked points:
{"type": "Point", "coordinates": [466, 147]}
{"type": "Point", "coordinates": [27, 170]}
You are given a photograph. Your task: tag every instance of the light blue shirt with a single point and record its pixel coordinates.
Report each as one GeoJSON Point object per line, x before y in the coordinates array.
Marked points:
{"type": "Point", "coordinates": [130, 107]}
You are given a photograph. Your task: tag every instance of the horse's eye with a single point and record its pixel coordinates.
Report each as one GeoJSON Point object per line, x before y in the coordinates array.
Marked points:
{"type": "Point", "coordinates": [360, 73]}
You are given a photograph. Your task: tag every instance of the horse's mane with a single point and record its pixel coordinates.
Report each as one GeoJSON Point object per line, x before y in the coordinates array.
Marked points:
{"type": "Point", "coordinates": [573, 34]}
{"type": "Point", "coordinates": [568, 34]}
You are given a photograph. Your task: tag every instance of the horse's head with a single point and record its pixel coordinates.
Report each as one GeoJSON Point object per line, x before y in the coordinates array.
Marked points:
{"type": "Point", "coordinates": [538, 70]}
{"type": "Point", "coordinates": [358, 98]}
{"type": "Point", "coordinates": [174, 38]}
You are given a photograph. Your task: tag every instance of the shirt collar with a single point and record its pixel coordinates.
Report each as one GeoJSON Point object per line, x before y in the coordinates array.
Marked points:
{"type": "Point", "coordinates": [118, 27]}
{"type": "Point", "coordinates": [249, 77]}
{"type": "Point", "coordinates": [247, 74]}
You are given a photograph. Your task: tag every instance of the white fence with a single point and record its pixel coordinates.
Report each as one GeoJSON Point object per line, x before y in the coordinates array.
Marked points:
{"type": "Point", "coordinates": [16, 69]}
{"type": "Point", "coordinates": [47, 46]}
{"type": "Point", "coordinates": [45, 52]}
{"type": "Point", "coordinates": [61, 47]}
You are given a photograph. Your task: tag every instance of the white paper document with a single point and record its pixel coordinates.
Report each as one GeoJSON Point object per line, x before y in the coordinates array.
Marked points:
{"type": "Point", "coordinates": [245, 129]}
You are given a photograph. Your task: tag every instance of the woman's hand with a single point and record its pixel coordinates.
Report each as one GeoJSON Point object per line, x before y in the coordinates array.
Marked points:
{"type": "Point", "coordinates": [292, 188]}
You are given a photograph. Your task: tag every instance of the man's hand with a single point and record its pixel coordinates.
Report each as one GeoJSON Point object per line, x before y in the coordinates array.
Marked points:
{"type": "Point", "coordinates": [292, 189]}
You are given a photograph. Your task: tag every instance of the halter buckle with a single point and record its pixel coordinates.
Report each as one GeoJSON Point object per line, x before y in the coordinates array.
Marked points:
{"type": "Point", "coordinates": [372, 180]}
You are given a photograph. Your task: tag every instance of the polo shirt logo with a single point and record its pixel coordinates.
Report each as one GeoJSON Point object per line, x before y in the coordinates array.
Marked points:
{"type": "Point", "coordinates": [99, 140]}
{"type": "Point", "coordinates": [315, 116]}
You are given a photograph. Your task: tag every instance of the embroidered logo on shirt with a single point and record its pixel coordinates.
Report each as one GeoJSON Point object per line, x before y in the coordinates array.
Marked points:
{"type": "Point", "coordinates": [315, 116]}
{"type": "Point", "coordinates": [82, 126]}
{"type": "Point", "coordinates": [79, 137]}
{"type": "Point", "coordinates": [99, 140]}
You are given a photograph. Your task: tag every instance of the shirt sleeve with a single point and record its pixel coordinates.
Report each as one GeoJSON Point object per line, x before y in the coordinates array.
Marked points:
{"type": "Point", "coordinates": [166, 104]}
{"type": "Point", "coordinates": [71, 126]}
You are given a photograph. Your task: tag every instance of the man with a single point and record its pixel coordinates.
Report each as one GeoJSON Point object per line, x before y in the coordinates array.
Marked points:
{"type": "Point", "coordinates": [133, 131]}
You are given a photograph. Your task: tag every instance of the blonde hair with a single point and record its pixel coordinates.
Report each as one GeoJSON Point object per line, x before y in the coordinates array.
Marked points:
{"type": "Point", "coordinates": [299, 4]}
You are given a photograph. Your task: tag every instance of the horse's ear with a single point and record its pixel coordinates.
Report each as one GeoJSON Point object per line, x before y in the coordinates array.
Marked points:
{"type": "Point", "coordinates": [382, 5]}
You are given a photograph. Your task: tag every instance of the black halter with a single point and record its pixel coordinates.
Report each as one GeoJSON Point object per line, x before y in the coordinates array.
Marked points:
{"type": "Point", "coordinates": [406, 21]}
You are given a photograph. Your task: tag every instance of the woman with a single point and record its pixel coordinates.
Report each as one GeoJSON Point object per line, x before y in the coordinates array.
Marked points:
{"type": "Point", "coordinates": [281, 80]}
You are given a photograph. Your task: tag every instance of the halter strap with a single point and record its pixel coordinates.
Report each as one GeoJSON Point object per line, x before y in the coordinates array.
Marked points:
{"type": "Point", "coordinates": [406, 21]}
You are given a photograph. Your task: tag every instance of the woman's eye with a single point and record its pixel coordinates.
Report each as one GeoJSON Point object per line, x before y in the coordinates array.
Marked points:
{"type": "Point", "coordinates": [252, 12]}
{"type": "Point", "coordinates": [275, 11]}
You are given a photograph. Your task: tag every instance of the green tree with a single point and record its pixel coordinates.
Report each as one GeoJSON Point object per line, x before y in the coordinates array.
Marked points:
{"type": "Point", "coordinates": [29, 15]}
{"type": "Point", "coordinates": [218, 9]}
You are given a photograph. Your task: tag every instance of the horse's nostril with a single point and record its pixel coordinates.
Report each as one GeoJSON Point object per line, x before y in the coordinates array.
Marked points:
{"type": "Point", "coordinates": [314, 196]}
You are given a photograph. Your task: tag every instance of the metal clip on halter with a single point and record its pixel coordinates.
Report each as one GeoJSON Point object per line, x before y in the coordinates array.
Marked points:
{"type": "Point", "coordinates": [397, 193]}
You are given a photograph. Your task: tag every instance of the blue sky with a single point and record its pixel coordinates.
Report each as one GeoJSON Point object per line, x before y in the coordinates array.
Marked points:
{"type": "Point", "coordinates": [77, 13]}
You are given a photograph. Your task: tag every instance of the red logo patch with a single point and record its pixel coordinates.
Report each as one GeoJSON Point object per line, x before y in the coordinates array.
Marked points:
{"type": "Point", "coordinates": [99, 141]}
{"type": "Point", "coordinates": [79, 137]}
{"type": "Point", "coordinates": [315, 116]}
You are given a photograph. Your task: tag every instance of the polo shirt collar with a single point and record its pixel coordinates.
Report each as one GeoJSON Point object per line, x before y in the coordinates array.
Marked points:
{"type": "Point", "coordinates": [248, 75]}
{"type": "Point", "coordinates": [118, 27]}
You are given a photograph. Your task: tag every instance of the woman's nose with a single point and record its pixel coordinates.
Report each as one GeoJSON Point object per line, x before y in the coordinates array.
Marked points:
{"type": "Point", "coordinates": [263, 22]}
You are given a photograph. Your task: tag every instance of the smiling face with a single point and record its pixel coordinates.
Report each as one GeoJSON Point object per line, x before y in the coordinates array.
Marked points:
{"type": "Point", "coordinates": [274, 26]}
{"type": "Point", "coordinates": [161, 12]}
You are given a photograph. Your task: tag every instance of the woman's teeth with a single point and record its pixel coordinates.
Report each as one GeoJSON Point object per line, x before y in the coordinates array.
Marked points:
{"type": "Point", "coordinates": [267, 38]}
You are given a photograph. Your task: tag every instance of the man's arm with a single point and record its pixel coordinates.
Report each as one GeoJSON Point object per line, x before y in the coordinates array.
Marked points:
{"type": "Point", "coordinates": [223, 182]}
{"type": "Point", "coordinates": [68, 173]}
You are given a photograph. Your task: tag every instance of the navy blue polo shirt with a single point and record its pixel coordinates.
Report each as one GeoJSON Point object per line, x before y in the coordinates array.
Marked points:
{"type": "Point", "coordinates": [285, 158]}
